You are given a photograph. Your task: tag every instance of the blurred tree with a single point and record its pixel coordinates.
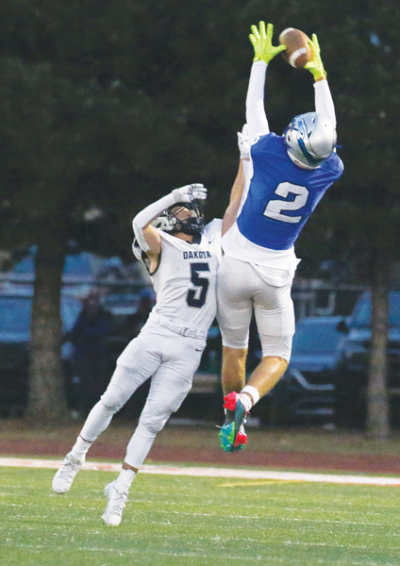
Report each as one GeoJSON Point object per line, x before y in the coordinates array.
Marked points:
{"type": "Point", "coordinates": [103, 109]}
{"type": "Point", "coordinates": [106, 106]}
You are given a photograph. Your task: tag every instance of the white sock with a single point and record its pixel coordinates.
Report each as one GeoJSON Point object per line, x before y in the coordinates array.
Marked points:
{"type": "Point", "coordinates": [246, 402]}
{"type": "Point", "coordinates": [80, 449]}
{"type": "Point", "coordinates": [124, 480]}
{"type": "Point", "coordinates": [254, 395]}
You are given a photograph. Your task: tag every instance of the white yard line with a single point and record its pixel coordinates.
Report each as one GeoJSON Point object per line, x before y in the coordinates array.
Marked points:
{"type": "Point", "coordinates": [214, 472]}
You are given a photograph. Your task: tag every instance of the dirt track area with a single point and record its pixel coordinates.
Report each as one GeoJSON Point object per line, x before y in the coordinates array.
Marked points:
{"type": "Point", "coordinates": [270, 449]}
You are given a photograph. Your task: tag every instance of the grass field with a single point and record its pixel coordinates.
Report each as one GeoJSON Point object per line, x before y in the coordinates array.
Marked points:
{"type": "Point", "coordinates": [173, 520]}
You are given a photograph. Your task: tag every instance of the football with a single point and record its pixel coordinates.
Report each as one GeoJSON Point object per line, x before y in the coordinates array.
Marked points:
{"type": "Point", "coordinates": [298, 51]}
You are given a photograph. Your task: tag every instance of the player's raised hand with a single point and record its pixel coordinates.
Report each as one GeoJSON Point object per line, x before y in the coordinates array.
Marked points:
{"type": "Point", "coordinates": [262, 43]}
{"type": "Point", "coordinates": [188, 193]}
{"type": "Point", "coordinates": [316, 67]}
{"type": "Point", "coordinates": [243, 143]}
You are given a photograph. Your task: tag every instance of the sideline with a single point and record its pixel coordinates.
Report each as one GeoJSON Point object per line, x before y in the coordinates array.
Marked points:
{"type": "Point", "coordinates": [213, 472]}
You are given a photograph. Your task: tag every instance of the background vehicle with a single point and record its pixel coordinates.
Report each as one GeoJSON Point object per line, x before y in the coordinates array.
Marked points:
{"type": "Point", "coordinates": [353, 360]}
{"type": "Point", "coordinates": [15, 309]}
{"type": "Point", "coordinates": [83, 267]}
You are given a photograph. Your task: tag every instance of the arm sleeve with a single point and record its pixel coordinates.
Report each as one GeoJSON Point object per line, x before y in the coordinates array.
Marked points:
{"type": "Point", "coordinates": [248, 173]}
{"type": "Point", "coordinates": [324, 101]}
{"type": "Point", "coordinates": [147, 215]}
{"type": "Point", "coordinates": [256, 118]}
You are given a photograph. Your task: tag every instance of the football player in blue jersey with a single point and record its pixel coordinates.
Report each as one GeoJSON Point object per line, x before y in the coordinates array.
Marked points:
{"type": "Point", "coordinates": [287, 175]}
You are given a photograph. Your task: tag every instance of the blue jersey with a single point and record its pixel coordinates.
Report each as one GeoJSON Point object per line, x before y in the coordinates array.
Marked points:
{"type": "Point", "coordinates": [281, 195]}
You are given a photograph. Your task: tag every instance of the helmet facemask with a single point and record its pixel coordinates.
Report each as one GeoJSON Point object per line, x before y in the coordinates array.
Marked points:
{"type": "Point", "coordinates": [310, 139]}
{"type": "Point", "coordinates": [169, 222]}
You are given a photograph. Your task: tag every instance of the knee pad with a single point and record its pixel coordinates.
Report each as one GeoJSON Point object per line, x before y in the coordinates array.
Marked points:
{"type": "Point", "coordinates": [155, 414]}
{"type": "Point", "coordinates": [277, 346]}
{"type": "Point", "coordinates": [235, 340]}
{"type": "Point", "coordinates": [153, 424]}
{"type": "Point", "coordinates": [113, 399]}
{"type": "Point", "coordinates": [109, 403]}
{"type": "Point", "coordinates": [121, 387]}
{"type": "Point", "coordinates": [144, 432]}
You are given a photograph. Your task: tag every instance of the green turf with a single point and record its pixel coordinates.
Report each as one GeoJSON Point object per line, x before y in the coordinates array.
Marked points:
{"type": "Point", "coordinates": [172, 520]}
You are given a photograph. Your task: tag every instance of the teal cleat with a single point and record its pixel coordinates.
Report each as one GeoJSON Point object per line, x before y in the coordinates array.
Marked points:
{"type": "Point", "coordinates": [232, 434]}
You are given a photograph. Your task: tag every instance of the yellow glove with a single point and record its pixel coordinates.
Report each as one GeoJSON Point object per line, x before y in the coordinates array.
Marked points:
{"type": "Point", "coordinates": [262, 43]}
{"type": "Point", "coordinates": [316, 67]}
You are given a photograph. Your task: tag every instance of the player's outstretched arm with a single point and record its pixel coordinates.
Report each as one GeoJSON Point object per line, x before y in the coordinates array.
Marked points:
{"type": "Point", "coordinates": [232, 209]}
{"type": "Point", "coordinates": [323, 98]}
{"type": "Point", "coordinates": [264, 51]}
{"type": "Point", "coordinates": [243, 143]}
{"type": "Point", "coordinates": [147, 236]}
{"type": "Point", "coordinates": [315, 66]}
{"type": "Point", "coordinates": [261, 40]}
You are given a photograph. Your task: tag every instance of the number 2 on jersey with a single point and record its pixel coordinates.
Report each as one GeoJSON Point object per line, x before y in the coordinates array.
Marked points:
{"type": "Point", "coordinates": [274, 208]}
{"type": "Point", "coordinates": [194, 299]}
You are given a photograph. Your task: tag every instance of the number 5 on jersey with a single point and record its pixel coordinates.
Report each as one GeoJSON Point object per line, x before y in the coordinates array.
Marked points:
{"type": "Point", "coordinates": [274, 208]}
{"type": "Point", "coordinates": [197, 297]}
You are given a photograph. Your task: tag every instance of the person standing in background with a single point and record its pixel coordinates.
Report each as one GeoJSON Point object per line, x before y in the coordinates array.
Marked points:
{"type": "Point", "coordinates": [88, 337]}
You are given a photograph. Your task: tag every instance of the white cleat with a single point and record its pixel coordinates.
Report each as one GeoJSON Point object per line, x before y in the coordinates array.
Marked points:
{"type": "Point", "coordinates": [64, 477]}
{"type": "Point", "coordinates": [115, 506]}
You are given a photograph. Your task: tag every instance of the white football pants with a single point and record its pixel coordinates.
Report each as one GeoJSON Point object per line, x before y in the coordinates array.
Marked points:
{"type": "Point", "coordinates": [171, 361]}
{"type": "Point", "coordinates": [240, 289]}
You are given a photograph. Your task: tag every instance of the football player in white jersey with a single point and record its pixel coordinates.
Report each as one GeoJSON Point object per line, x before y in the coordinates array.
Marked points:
{"type": "Point", "coordinates": [287, 177]}
{"type": "Point", "coordinates": [182, 257]}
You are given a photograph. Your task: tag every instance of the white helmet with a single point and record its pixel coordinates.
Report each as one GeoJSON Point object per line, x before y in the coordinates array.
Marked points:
{"type": "Point", "coordinates": [310, 139]}
{"type": "Point", "coordinates": [168, 222]}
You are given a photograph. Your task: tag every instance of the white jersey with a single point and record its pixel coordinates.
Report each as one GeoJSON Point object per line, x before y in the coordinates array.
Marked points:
{"type": "Point", "coordinates": [186, 278]}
